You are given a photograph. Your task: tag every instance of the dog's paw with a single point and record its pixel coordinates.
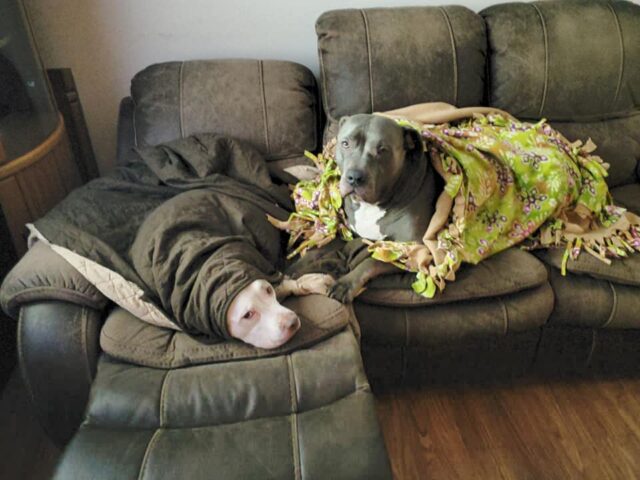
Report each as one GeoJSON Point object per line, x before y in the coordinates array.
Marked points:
{"type": "Point", "coordinates": [319, 283]}
{"type": "Point", "coordinates": [343, 291]}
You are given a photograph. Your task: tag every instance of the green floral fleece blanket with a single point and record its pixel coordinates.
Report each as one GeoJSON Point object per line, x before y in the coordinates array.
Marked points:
{"type": "Point", "coordinates": [507, 182]}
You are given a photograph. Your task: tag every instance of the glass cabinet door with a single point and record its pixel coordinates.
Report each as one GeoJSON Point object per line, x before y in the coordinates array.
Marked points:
{"type": "Point", "coordinates": [27, 113]}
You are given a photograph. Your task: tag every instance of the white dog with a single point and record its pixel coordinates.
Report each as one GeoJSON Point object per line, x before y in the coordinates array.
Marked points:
{"type": "Point", "coordinates": [256, 316]}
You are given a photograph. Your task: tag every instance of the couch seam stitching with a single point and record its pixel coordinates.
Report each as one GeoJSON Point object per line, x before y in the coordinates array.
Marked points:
{"type": "Point", "coordinates": [505, 315]}
{"type": "Point", "coordinates": [83, 341]}
{"type": "Point", "coordinates": [161, 410]}
{"type": "Point", "coordinates": [368, 43]}
{"type": "Point", "coordinates": [454, 54]}
{"type": "Point", "coordinates": [590, 118]}
{"type": "Point", "coordinates": [32, 294]}
{"type": "Point", "coordinates": [621, 39]}
{"type": "Point", "coordinates": [364, 388]}
{"type": "Point", "coordinates": [546, 59]}
{"type": "Point", "coordinates": [323, 88]}
{"type": "Point", "coordinates": [147, 452]}
{"type": "Point", "coordinates": [133, 118]}
{"type": "Point", "coordinates": [264, 105]}
{"type": "Point", "coordinates": [614, 306]}
{"type": "Point", "coordinates": [180, 100]}
{"type": "Point", "coordinates": [295, 445]}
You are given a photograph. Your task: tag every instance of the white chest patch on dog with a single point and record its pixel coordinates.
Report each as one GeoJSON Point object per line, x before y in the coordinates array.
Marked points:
{"type": "Point", "coordinates": [365, 221]}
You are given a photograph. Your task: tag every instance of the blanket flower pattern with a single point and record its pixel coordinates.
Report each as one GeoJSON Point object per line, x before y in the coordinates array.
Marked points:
{"type": "Point", "coordinates": [511, 183]}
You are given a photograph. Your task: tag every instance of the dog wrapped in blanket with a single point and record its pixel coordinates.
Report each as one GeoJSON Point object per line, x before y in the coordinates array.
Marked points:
{"type": "Point", "coordinates": [179, 238]}
{"type": "Point", "coordinates": [504, 182]}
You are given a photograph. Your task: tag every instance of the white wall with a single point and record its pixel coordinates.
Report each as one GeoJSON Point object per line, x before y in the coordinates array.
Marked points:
{"type": "Point", "coordinates": [105, 42]}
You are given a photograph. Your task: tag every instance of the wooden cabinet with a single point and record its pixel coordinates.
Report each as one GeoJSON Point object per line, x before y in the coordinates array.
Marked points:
{"type": "Point", "coordinates": [33, 183]}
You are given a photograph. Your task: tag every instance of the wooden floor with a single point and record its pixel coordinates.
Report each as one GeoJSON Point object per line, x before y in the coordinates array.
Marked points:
{"type": "Point", "coordinates": [26, 452]}
{"type": "Point", "coordinates": [539, 430]}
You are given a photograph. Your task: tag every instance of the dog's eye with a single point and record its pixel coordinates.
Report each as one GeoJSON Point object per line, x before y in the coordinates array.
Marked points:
{"type": "Point", "coordinates": [345, 143]}
{"type": "Point", "coordinates": [248, 315]}
{"type": "Point", "coordinates": [269, 290]}
{"type": "Point", "coordinates": [382, 148]}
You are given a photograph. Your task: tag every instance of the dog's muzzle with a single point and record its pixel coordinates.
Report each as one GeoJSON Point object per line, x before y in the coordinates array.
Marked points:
{"type": "Point", "coordinates": [355, 177]}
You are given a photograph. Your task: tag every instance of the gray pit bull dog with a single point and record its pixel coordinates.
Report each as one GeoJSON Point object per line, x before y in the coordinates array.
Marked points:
{"type": "Point", "coordinates": [389, 190]}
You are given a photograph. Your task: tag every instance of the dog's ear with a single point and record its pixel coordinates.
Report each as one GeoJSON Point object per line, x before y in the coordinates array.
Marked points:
{"type": "Point", "coordinates": [413, 144]}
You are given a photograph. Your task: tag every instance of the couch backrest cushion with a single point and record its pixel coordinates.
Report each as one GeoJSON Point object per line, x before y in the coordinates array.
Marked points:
{"type": "Point", "coordinates": [385, 58]}
{"type": "Point", "coordinates": [271, 104]}
{"type": "Point", "coordinates": [575, 63]}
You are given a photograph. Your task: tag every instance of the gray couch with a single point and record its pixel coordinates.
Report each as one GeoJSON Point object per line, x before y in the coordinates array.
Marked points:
{"type": "Point", "coordinates": [309, 413]}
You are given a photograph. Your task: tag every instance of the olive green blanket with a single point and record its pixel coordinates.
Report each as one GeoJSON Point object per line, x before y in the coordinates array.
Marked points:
{"type": "Point", "coordinates": [177, 233]}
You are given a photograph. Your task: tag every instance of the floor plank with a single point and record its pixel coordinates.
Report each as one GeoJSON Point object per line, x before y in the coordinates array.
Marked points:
{"type": "Point", "coordinates": [531, 429]}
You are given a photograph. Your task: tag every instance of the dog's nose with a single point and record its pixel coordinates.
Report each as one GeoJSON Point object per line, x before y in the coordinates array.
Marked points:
{"type": "Point", "coordinates": [355, 177]}
{"type": "Point", "coordinates": [289, 321]}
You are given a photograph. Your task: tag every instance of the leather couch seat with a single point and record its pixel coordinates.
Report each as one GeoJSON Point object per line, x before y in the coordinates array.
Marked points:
{"type": "Point", "coordinates": [277, 417]}
{"type": "Point", "coordinates": [506, 293]}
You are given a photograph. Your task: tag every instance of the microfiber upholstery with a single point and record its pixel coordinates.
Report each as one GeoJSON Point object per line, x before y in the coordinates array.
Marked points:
{"type": "Point", "coordinates": [129, 339]}
{"type": "Point", "coordinates": [628, 196]}
{"type": "Point", "coordinates": [43, 275]}
{"type": "Point", "coordinates": [575, 63]}
{"type": "Point", "coordinates": [585, 301]}
{"type": "Point", "coordinates": [277, 417]}
{"type": "Point", "coordinates": [618, 141]}
{"type": "Point", "coordinates": [594, 294]}
{"type": "Point", "coordinates": [450, 323]}
{"type": "Point", "coordinates": [271, 104]}
{"type": "Point", "coordinates": [380, 59]}
{"type": "Point", "coordinates": [508, 272]}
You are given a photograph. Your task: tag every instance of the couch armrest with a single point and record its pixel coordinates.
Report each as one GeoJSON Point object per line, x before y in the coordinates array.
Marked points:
{"type": "Point", "coordinates": [58, 347]}
{"type": "Point", "coordinates": [43, 275]}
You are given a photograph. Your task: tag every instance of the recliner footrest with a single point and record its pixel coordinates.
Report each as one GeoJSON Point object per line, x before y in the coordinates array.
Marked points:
{"type": "Point", "coordinates": [307, 414]}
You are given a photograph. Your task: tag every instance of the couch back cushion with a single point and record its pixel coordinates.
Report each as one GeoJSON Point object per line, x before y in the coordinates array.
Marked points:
{"type": "Point", "coordinates": [271, 104]}
{"type": "Point", "coordinates": [576, 64]}
{"type": "Point", "coordinates": [384, 58]}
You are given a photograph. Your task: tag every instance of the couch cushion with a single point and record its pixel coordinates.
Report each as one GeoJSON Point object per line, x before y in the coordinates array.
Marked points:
{"type": "Point", "coordinates": [128, 338]}
{"type": "Point", "coordinates": [625, 271]}
{"type": "Point", "coordinates": [278, 417]}
{"type": "Point", "coordinates": [454, 323]}
{"type": "Point", "coordinates": [578, 65]}
{"type": "Point", "coordinates": [507, 272]}
{"type": "Point", "coordinates": [584, 301]}
{"type": "Point", "coordinates": [385, 58]}
{"type": "Point", "coordinates": [564, 60]}
{"type": "Point", "coordinates": [628, 196]}
{"type": "Point", "coordinates": [618, 142]}
{"type": "Point", "coordinates": [271, 104]}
